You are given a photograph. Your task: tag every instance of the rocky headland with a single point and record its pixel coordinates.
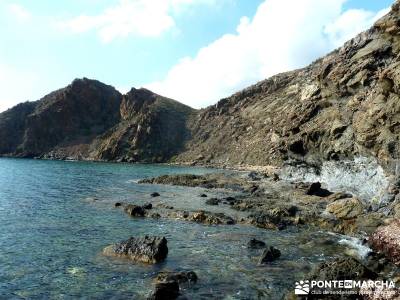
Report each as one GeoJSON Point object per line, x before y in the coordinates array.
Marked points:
{"type": "Point", "coordinates": [324, 141]}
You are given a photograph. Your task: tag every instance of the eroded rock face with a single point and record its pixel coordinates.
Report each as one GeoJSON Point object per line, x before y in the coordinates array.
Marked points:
{"type": "Point", "coordinates": [386, 239]}
{"type": "Point", "coordinates": [146, 249]}
{"type": "Point", "coordinates": [346, 208]}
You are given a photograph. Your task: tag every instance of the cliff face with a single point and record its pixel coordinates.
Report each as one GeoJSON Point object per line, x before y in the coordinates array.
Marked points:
{"type": "Point", "coordinates": [152, 129]}
{"type": "Point", "coordinates": [341, 106]}
{"type": "Point", "coordinates": [91, 120]}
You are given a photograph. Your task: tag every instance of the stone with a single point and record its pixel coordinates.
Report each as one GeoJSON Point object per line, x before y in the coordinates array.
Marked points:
{"type": "Point", "coordinates": [165, 291]}
{"type": "Point", "coordinates": [155, 194]}
{"type": "Point", "coordinates": [148, 206]}
{"type": "Point", "coordinates": [346, 208]}
{"type": "Point", "coordinates": [315, 189]}
{"type": "Point", "coordinates": [255, 244]}
{"type": "Point", "coordinates": [180, 277]}
{"type": "Point", "coordinates": [386, 240]}
{"type": "Point", "coordinates": [203, 196]}
{"type": "Point", "coordinates": [150, 250]}
{"type": "Point", "coordinates": [212, 201]}
{"type": "Point", "coordinates": [134, 210]}
{"type": "Point", "coordinates": [269, 255]}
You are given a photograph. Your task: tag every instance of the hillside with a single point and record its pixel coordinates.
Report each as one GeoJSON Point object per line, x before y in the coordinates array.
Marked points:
{"type": "Point", "coordinates": [344, 105]}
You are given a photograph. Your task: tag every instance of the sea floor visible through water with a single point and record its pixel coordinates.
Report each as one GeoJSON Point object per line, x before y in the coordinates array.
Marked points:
{"type": "Point", "coordinates": [56, 217]}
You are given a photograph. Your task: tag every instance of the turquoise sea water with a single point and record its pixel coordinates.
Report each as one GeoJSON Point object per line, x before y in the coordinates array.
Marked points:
{"type": "Point", "coordinates": [56, 217]}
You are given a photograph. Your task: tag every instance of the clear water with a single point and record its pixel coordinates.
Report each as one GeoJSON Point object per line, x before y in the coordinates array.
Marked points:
{"type": "Point", "coordinates": [56, 217]}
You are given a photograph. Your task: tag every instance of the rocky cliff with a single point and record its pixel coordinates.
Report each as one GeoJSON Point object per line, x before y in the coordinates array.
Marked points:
{"type": "Point", "coordinates": [92, 121]}
{"type": "Point", "coordinates": [342, 106]}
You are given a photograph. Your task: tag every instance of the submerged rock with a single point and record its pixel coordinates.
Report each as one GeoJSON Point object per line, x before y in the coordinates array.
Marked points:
{"type": "Point", "coordinates": [203, 196]}
{"type": "Point", "coordinates": [167, 284]}
{"type": "Point", "coordinates": [146, 249]}
{"type": "Point", "coordinates": [346, 208]}
{"type": "Point", "coordinates": [134, 210]}
{"type": "Point", "coordinates": [155, 194]}
{"type": "Point", "coordinates": [212, 201]}
{"type": "Point", "coordinates": [168, 290]}
{"type": "Point", "coordinates": [255, 244]}
{"type": "Point", "coordinates": [386, 240]}
{"type": "Point", "coordinates": [180, 277]}
{"type": "Point", "coordinates": [269, 255]}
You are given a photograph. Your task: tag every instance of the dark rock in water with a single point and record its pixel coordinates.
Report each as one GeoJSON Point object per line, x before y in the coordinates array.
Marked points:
{"type": "Point", "coordinates": [180, 277]}
{"type": "Point", "coordinates": [275, 177]}
{"type": "Point", "coordinates": [269, 255]}
{"type": "Point", "coordinates": [168, 290]}
{"type": "Point", "coordinates": [134, 210]}
{"type": "Point", "coordinates": [118, 204]}
{"type": "Point", "coordinates": [155, 194]}
{"type": "Point", "coordinates": [386, 240]}
{"type": "Point", "coordinates": [203, 196]}
{"type": "Point", "coordinates": [254, 176]}
{"type": "Point", "coordinates": [166, 284]}
{"type": "Point", "coordinates": [146, 249]}
{"type": "Point", "coordinates": [211, 218]}
{"type": "Point", "coordinates": [316, 190]}
{"type": "Point", "coordinates": [342, 269]}
{"type": "Point", "coordinates": [212, 201]}
{"type": "Point", "coordinates": [148, 206]}
{"type": "Point", "coordinates": [255, 244]}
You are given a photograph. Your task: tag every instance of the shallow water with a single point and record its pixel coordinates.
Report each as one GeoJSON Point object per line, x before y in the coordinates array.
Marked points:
{"type": "Point", "coordinates": [56, 217]}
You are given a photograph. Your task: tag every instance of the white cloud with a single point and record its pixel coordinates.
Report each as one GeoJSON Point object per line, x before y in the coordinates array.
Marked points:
{"type": "Point", "coordinates": [148, 18]}
{"type": "Point", "coordinates": [19, 12]}
{"type": "Point", "coordinates": [283, 35]}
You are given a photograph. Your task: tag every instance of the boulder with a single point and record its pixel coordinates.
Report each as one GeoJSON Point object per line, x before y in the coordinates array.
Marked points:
{"type": "Point", "coordinates": [203, 196]}
{"type": "Point", "coordinates": [346, 208]}
{"type": "Point", "coordinates": [155, 194]}
{"type": "Point", "coordinates": [269, 255]}
{"type": "Point", "coordinates": [148, 206]}
{"type": "Point", "coordinates": [386, 240]}
{"type": "Point", "coordinates": [315, 189]}
{"type": "Point", "coordinates": [212, 201]}
{"type": "Point", "coordinates": [165, 291]}
{"type": "Point", "coordinates": [180, 277]}
{"type": "Point", "coordinates": [134, 210]}
{"type": "Point", "coordinates": [346, 268]}
{"type": "Point", "coordinates": [255, 244]}
{"type": "Point", "coordinates": [146, 249]}
{"type": "Point", "coordinates": [211, 218]}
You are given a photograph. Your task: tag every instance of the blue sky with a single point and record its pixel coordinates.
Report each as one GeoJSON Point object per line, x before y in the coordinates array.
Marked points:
{"type": "Point", "coordinates": [195, 51]}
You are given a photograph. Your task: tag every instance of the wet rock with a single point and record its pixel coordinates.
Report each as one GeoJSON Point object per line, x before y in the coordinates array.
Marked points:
{"type": "Point", "coordinates": [269, 255]}
{"type": "Point", "coordinates": [315, 189]}
{"type": "Point", "coordinates": [203, 196]}
{"type": "Point", "coordinates": [386, 240]}
{"type": "Point", "coordinates": [346, 208]}
{"type": "Point", "coordinates": [148, 206]}
{"type": "Point", "coordinates": [165, 291]}
{"type": "Point", "coordinates": [212, 201]}
{"type": "Point", "coordinates": [211, 218]}
{"type": "Point", "coordinates": [255, 244]}
{"type": "Point", "coordinates": [134, 210]}
{"type": "Point", "coordinates": [346, 268]}
{"type": "Point", "coordinates": [254, 176]}
{"type": "Point", "coordinates": [180, 277]}
{"type": "Point", "coordinates": [155, 194]}
{"type": "Point", "coordinates": [117, 204]}
{"type": "Point", "coordinates": [146, 249]}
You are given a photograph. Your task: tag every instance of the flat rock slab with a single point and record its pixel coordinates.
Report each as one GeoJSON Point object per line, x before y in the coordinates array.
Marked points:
{"type": "Point", "coordinates": [146, 249]}
{"type": "Point", "coordinates": [386, 240]}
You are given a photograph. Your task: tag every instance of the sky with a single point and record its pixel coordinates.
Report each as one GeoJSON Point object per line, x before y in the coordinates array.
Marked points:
{"type": "Point", "coordinates": [194, 51]}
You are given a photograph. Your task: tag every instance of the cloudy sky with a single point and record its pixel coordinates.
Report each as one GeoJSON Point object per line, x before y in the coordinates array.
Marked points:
{"type": "Point", "coordinates": [195, 51]}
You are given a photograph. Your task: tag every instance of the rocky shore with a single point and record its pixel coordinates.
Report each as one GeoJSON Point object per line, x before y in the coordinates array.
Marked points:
{"type": "Point", "coordinates": [267, 201]}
